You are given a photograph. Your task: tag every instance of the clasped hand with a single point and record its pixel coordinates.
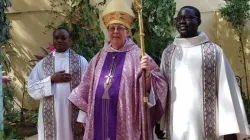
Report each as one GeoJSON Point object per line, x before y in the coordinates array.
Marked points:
{"type": "Point", "coordinates": [61, 77]}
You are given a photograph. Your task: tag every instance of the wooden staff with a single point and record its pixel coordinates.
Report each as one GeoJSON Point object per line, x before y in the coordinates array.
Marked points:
{"type": "Point", "coordinates": [138, 7]}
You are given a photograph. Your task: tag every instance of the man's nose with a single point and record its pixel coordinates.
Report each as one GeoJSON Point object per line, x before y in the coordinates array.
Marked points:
{"type": "Point", "coordinates": [59, 40]}
{"type": "Point", "coordinates": [182, 20]}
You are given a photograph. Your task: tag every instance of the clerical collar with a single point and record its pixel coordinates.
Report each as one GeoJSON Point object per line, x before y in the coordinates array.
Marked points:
{"type": "Point", "coordinates": [191, 42]}
{"type": "Point", "coordinates": [129, 45]}
{"type": "Point", "coordinates": [115, 50]}
{"type": "Point", "coordinates": [61, 54]}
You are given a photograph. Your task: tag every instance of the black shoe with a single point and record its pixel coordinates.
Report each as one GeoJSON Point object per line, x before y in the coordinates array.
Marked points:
{"type": "Point", "coordinates": [160, 134]}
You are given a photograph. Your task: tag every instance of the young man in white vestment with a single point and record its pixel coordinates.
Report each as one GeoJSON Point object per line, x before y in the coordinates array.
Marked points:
{"type": "Point", "coordinates": [205, 101]}
{"type": "Point", "coordinates": [51, 82]}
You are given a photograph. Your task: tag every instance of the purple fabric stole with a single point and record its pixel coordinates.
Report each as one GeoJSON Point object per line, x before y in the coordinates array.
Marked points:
{"type": "Point", "coordinates": [113, 97]}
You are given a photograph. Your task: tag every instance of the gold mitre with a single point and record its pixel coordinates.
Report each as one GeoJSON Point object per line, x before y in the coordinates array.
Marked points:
{"type": "Point", "coordinates": [118, 11]}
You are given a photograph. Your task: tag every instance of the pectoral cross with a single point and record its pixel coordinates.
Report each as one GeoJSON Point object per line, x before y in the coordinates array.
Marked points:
{"type": "Point", "coordinates": [109, 77]}
{"type": "Point", "coordinates": [107, 85]}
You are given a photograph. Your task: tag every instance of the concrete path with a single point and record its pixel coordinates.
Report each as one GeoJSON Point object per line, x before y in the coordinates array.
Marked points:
{"type": "Point", "coordinates": [32, 138]}
{"type": "Point", "coordinates": [35, 138]}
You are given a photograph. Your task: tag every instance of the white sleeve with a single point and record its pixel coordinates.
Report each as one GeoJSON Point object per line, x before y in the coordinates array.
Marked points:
{"type": "Point", "coordinates": [38, 85]}
{"type": "Point", "coordinates": [151, 97]}
{"type": "Point", "coordinates": [231, 107]}
{"type": "Point", "coordinates": [84, 64]}
{"type": "Point", "coordinates": [81, 117]}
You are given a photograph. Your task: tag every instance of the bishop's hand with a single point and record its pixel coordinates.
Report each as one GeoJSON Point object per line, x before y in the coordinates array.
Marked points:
{"type": "Point", "coordinates": [84, 124]}
{"type": "Point", "coordinates": [61, 77]}
{"type": "Point", "coordinates": [145, 64]}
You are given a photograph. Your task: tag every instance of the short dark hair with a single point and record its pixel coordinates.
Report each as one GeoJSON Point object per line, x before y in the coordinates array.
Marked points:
{"type": "Point", "coordinates": [62, 28]}
{"type": "Point", "coordinates": [197, 12]}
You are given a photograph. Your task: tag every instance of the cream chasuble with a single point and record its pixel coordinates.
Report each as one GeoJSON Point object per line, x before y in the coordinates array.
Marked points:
{"type": "Point", "coordinates": [205, 101]}
{"type": "Point", "coordinates": [57, 117]}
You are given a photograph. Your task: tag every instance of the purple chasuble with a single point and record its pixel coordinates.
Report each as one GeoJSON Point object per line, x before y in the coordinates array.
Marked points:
{"type": "Point", "coordinates": [100, 129]}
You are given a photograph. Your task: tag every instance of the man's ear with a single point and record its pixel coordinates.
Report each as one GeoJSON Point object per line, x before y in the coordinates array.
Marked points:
{"type": "Point", "coordinates": [70, 41]}
{"type": "Point", "coordinates": [199, 22]}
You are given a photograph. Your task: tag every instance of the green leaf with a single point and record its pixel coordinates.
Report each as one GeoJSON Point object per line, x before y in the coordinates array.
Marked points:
{"type": "Point", "coordinates": [237, 13]}
{"type": "Point", "coordinates": [158, 18]}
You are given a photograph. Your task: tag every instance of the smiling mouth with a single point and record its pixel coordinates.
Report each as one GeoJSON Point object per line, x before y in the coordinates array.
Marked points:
{"type": "Point", "coordinates": [58, 45]}
{"type": "Point", "coordinates": [183, 28]}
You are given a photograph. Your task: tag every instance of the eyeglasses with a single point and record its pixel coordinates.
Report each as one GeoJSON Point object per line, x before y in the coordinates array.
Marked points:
{"type": "Point", "coordinates": [119, 29]}
{"type": "Point", "coordinates": [186, 18]}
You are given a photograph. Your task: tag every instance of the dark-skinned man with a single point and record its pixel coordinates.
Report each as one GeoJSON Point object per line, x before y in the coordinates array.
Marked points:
{"type": "Point", "coordinates": [51, 82]}
{"type": "Point", "coordinates": [205, 101]}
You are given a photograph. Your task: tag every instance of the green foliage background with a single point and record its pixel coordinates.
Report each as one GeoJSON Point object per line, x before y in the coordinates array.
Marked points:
{"type": "Point", "coordinates": [4, 22]}
{"type": "Point", "coordinates": [236, 12]}
{"type": "Point", "coordinates": [87, 36]}
{"type": "Point", "coordinates": [158, 20]}
{"type": "Point", "coordinates": [4, 33]}
{"type": "Point", "coordinates": [4, 37]}
{"type": "Point", "coordinates": [83, 21]}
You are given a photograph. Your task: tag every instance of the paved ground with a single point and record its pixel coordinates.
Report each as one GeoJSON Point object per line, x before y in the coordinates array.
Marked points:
{"type": "Point", "coordinates": [35, 138]}
{"type": "Point", "coordinates": [32, 138]}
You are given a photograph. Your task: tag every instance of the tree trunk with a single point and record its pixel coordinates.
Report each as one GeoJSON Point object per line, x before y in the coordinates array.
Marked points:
{"type": "Point", "coordinates": [244, 62]}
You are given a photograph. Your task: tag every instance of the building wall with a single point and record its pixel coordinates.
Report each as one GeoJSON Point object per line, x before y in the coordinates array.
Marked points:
{"type": "Point", "coordinates": [28, 32]}
{"type": "Point", "coordinates": [229, 41]}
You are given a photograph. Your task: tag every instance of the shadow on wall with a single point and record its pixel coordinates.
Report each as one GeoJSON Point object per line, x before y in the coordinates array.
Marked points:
{"type": "Point", "coordinates": [28, 37]}
{"type": "Point", "coordinates": [229, 41]}
{"type": "Point", "coordinates": [29, 5]}
{"type": "Point", "coordinates": [209, 25]}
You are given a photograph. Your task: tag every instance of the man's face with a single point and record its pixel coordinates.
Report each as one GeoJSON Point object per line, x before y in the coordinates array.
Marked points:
{"type": "Point", "coordinates": [187, 23]}
{"type": "Point", "coordinates": [61, 40]}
